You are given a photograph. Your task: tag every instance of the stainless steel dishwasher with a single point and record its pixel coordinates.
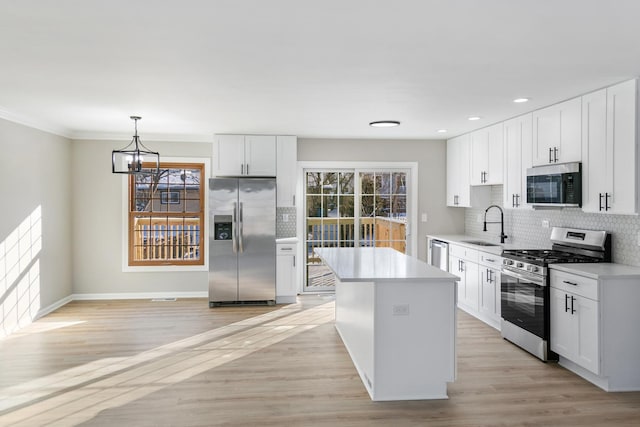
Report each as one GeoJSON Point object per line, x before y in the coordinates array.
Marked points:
{"type": "Point", "coordinates": [439, 254]}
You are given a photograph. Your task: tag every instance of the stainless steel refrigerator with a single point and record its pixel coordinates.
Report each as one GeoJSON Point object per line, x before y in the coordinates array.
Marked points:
{"type": "Point", "coordinates": [242, 246]}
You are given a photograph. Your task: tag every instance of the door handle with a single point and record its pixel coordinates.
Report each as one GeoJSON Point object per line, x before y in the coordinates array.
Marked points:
{"type": "Point", "coordinates": [234, 226]}
{"type": "Point", "coordinates": [247, 168]}
{"type": "Point", "coordinates": [572, 300]}
{"type": "Point", "coordinates": [517, 200]}
{"type": "Point", "coordinates": [294, 261]}
{"type": "Point", "coordinates": [550, 151]}
{"type": "Point", "coordinates": [570, 283]}
{"type": "Point", "coordinates": [555, 154]}
{"type": "Point", "coordinates": [241, 231]}
{"type": "Point", "coordinates": [600, 195]}
{"type": "Point", "coordinates": [606, 201]}
{"type": "Point", "coordinates": [566, 303]}
{"type": "Point", "coordinates": [241, 168]}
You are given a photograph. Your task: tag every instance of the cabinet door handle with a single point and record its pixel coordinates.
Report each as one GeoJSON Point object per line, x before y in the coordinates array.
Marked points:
{"type": "Point", "coordinates": [247, 168]}
{"type": "Point", "coordinates": [513, 200]}
{"type": "Point", "coordinates": [607, 196]}
{"type": "Point", "coordinates": [294, 200]}
{"type": "Point", "coordinates": [566, 303]}
{"type": "Point", "coordinates": [600, 195]}
{"type": "Point", "coordinates": [294, 261]}
{"type": "Point", "coordinates": [572, 300]}
{"type": "Point", "coordinates": [550, 151]}
{"type": "Point", "coordinates": [241, 168]}
{"type": "Point", "coordinates": [555, 154]}
{"type": "Point", "coordinates": [517, 200]}
{"type": "Point", "coordinates": [569, 283]}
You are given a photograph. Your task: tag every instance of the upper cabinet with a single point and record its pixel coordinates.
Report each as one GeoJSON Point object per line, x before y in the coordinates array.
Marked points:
{"type": "Point", "coordinates": [518, 137]}
{"type": "Point", "coordinates": [244, 155]}
{"type": "Point", "coordinates": [458, 189]}
{"type": "Point", "coordinates": [610, 150]}
{"type": "Point", "coordinates": [557, 133]}
{"type": "Point", "coordinates": [487, 155]}
{"type": "Point", "coordinates": [286, 174]}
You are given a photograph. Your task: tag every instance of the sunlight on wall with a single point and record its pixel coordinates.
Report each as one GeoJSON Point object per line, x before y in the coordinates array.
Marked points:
{"type": "Point", "coordinates": [20, 274]}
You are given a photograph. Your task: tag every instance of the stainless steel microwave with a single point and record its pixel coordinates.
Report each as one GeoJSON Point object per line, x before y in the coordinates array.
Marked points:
{"type": "Point", "coordinates": [555, 185]}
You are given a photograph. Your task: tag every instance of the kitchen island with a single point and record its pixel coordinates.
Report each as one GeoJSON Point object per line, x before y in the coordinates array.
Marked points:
{"type": "Point", "coordinates": [396, 316]}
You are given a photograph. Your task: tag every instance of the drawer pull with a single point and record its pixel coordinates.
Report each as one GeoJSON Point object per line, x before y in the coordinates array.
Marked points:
{"type": "Point", "coordinates": [491, 260]}
{"type": "Point", "coordinates": [569, 283]}
{"type": "Point", "coordinates": [286, 249]}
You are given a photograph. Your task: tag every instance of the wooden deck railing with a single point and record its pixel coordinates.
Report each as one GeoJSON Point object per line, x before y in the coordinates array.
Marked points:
{"type": "Point", "coordinates": [166, 239]}
{"type": "Point", "coordinates": [340, 232]}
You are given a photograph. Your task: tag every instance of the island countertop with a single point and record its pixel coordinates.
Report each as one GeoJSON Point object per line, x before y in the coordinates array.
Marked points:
{"type": "Point", "coordinates": [378, 264]}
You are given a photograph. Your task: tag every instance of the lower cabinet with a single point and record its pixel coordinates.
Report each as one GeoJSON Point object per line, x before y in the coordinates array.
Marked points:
{"type": "Point", "coordinates": [286, 273]}
{"type": "Point", "coordinates": [594, 323]}
{"type": "Point", "coordinates": [574, 328]}
{"type": "Point", "coordinates": [490, 295]}
{"type": "Point", "coordinates": [468, 284]}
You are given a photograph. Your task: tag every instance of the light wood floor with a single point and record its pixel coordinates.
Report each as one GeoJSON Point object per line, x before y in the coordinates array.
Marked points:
{"type": "Point", "coordinates": [143, 363]}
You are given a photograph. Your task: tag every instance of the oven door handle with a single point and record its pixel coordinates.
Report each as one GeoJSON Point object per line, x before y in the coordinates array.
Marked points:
{"type": "Point", "coordinates": [535, 280]}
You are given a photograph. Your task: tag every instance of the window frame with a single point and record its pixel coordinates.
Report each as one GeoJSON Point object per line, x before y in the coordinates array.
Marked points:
{"type": "Point", "coordinates": [127, 226]}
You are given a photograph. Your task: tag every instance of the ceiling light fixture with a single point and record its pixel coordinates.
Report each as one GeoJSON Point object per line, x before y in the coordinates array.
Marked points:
{"type": "Point", "coordinates": [520, 100]}
{"type": "Point", "coordinates": [442, 130]}
{"type": "Point", "coordinates": [472, 118]}
{"type": "Point", "coordinates": [129, 160]}
{"type": "Point", "coordinates": [385, 123]}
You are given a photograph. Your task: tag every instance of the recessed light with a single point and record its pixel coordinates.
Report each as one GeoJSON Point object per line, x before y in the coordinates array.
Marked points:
{"type": "Point", "coordinates": [385, 123]}
{"type": "Point", "coordinates": [472, 118]}
{"type": "Point", "coordinates": [442, 130]}
{"type": "Point", "coordinates": [520, 100]}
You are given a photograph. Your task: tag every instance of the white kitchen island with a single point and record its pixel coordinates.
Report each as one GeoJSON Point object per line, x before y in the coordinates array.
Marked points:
{"type": "Point", "coordinates": [397, 318]}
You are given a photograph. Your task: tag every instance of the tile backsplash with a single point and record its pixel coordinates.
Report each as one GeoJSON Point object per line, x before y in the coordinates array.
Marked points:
{"type": "Point", "coordinates": [285, 228]}
{"type": "Point", "coordinates": [524, 226]}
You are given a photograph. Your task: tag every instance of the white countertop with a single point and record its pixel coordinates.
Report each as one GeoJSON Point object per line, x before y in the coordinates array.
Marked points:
{"type": "Point", "coordinates": [459, 239]}
{"type": "Point", "coordinates": [287, 240]}
{"type": "Point", "coordinates": [603, 270]}
{"type": "Point", "coordinates": [378, 264]}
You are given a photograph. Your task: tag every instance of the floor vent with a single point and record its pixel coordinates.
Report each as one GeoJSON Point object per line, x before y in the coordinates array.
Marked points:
{"type": "Point", "coordinates": [163, 300]}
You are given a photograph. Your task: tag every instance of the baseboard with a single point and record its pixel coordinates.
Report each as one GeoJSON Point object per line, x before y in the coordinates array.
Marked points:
{"type": "Point", "coordinates": [139, 295]}
{"type": "Point", "coordinates": [53, 307]}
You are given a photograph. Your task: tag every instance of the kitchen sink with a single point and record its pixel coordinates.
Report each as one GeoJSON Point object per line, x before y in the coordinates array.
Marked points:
{"type": "Point", "coordinates": [479, 243]}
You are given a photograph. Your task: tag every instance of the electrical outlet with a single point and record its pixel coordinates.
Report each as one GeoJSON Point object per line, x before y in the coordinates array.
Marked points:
{"type": "Point", "coordinates": [285, 217]}
{"type": "Point", "coordinates": [545, 223]}
{"type": "Point", "coordinates": [401, 310]}
{"type": "Point", "coordinates": [424, 217]}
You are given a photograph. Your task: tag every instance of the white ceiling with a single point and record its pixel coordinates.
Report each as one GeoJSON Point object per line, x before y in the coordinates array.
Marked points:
{"type": "Point", "coordinates": [323, 68]}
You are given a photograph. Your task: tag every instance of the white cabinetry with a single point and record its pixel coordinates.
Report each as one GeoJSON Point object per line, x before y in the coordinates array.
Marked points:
{"type": "Point", "coordinates": [517, 159]}
{"type": "Point", "coordinates": [594, 322]}
{"type": "Point", "coordinates": [458, 165]}
{"type": "Point", "coordinates": [557, 133]}
{"type": "Point", "coordinates": [609, 150]}
{"type": "Point", "coordinates": [489, 281]}
{"type": "Point", "coordinates": [244, 155]}
{"type": "Point", "coordinates": [487, 155]}
{"type": "Point", "coordinates": [463, 262]}
{"type": "Point", "coordinates": [286, 273]}
{"type": "Point", "coordinates": [574, 319]}
{"type": "Point", "coordinates": [286, 173]}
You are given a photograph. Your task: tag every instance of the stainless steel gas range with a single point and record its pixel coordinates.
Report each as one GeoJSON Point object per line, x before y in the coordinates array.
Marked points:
{"type": "Point", "coordinates": [525, 284]}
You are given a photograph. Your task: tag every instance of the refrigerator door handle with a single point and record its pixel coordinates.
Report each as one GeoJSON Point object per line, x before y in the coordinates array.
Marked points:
{"type": "Point", "coordinates": [234, 229]}
{"type": "Point", "coordinates": [241, 232]}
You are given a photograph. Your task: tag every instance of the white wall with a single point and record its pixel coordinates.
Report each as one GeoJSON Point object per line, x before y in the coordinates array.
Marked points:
{"type": "Point", "coordinates": [431, 158]}
{"type": "Point", "coordinates": [35, 225]}
{"type": "Point", "coordinates": [97, 228]}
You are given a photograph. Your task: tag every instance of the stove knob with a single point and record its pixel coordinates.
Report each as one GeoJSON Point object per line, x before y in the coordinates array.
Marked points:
{"type": "Point", "coordinates": [532, 268]}
{"type": "Point", "coordinates": [508, 262]}
{"type": "Point", "coordinates": [519, 265]}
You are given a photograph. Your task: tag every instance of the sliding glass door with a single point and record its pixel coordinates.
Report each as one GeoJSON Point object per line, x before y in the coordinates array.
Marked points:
{"type": "Point", "coordinates": [349, 208]}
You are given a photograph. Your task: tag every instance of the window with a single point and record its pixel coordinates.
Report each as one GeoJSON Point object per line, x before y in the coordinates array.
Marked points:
{"type": "Point", "coordinates": [166, 215]}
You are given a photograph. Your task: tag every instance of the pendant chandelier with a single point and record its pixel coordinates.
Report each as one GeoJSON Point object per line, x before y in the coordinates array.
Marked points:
{"type": "Point", "coordinates": [129, 160]}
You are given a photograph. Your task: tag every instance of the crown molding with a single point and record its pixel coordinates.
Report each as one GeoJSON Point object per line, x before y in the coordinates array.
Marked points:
{"type": "Point", "coordinates": [35, 123]}
{"type": "Point", "coordinates": [157, 137]}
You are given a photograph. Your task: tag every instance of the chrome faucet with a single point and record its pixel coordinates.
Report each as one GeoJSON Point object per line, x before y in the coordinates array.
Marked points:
{"type": "Point", "coordinates": [502, 235]}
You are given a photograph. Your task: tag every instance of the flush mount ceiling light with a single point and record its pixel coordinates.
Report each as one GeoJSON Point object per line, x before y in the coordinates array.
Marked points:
{"type": "Point", "coordinates": [441, 130]}
{"type": "Point", "coordinates": [384, 123]}
{"type": "Point", "coordinates": [129, 160]}
{"type": "Point", "coordinates": [473, 118]}
{"type": "Point", "coordinates": [520, 100]}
